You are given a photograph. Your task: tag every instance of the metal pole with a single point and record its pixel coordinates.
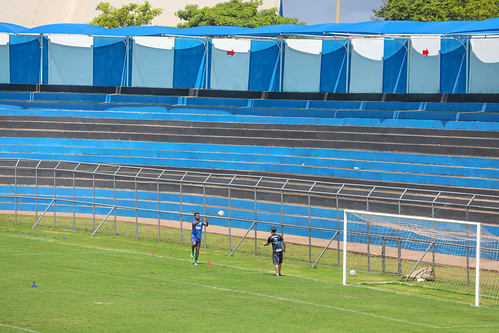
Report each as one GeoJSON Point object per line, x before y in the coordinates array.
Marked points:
{"type": "Point", "coordinates": [114, 187]}
{"type": "Point", "coordinates": [347, 88]}
{"type": "Point", "coordinates": [159, 214]}
{"type": "Point", "coordinates": [204, 208]}
{"type": "Point", "coordinates": [41, 59]}
{"type": "Point", "coordinates": [36, 190]}
{"type": "Point", "coordinates": [345, 233]}
{"type": "Point", "coordinates": [281, 65]}
{"type": "Point", "coordinates": [159, 206]}
{"type": "Point", "coordinates": [207, 63]}
{"type": "Point", "coordinates": [74, 202]}
{"type": "Point", "coordinates": [115, 213]}
{"type": "Point", "coordinates": [93, 199]}
{"type": "Point", "coordinates": [477, 275]}
{"type": "Point", "coordinates": [230, 209]}
{"type": "Point", "coordinates": [254, 223]}
{"type": "Point", "coordinates": [338, 10]}
{"type": "Point", "coordinates": [136, 211]}
{"type": "Point", "coordinates": [128, 61]}
{"type": "Point", "coordinates": [15, 189]}
{"type": "Point", "coordinates": [324, 250]}
{"type": "Point", "coordinates": [55, 194]}
{"type": "Point", "coordinates": [309, 230]}
{"type": "Point", "coordinates": [181, 211]}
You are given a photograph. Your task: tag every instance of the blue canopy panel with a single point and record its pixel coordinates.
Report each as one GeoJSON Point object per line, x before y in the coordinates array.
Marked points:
{"type": "Point", "coordinates": [230, 64]}
{"type": "Point", "coordinates": [265, 66]}
{"type": "Point", "coordinates": [395, 66]}
{"type": "Point", "coordinates": [484, 65]}
{"type": "Point", "coordinates": [453, 65]}
{"type": "Point", "coordinates": [25, 59]}
{"type": "Point", "coordinates": [11, 28]}
{"type": "Point", "coordinates": [69, 28]}
{"type": "Point", "coordinates": [302, 65]}
{"type": "Point", "coordinates": [386, 27]}
{"type": "Point", "coordinates": [215, 31]}
{"type": "Point", "coordinates": [189, 65]}
{"type": "Point", "coordinates": [110, 61]}
{"type": "Point", "coordinates": [490, 26]}
{"type": "Point", "coordinates": [145, 31]}
{"type": "Point", "coordinates": [366, 65]}
{"type": "Point", "coordinates": [70, 59]}
{"type": "Point", "coordinates": [152, 61]}
{"type": "Point", "coordinates": [270, 30]}
{"type": "Point", "coordinates": [334, 65]}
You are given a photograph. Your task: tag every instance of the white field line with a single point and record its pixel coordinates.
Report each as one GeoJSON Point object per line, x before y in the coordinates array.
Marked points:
{"type": "Point", "coordinates": [269, 296]}
{"type": "Point", "coordinates": [297, 301]}
{"type": "Point", "coordinates": [18, 328]}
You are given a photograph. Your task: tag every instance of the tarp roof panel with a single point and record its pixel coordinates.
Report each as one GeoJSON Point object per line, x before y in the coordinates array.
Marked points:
{"type": "Point", "coordinates": [362, 28]}
{"type": "Point", "coordinates": [487, 26]}
{"type": "Point", "coordinates": [145, 31]}
{"type": "Point", "coordinates": [214, 31]}
{"type": "Point", "coordinates": [70, 29]}
{"type": "Point", "coordinates": [12, 28]}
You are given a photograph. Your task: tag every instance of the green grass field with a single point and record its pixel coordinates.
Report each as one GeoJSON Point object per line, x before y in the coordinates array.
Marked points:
{"type": "Point", "coordinates": [122, 284]}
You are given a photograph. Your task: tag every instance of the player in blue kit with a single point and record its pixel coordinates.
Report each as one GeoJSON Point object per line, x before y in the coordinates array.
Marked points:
{"type": "Point", "coordinates": [278, 249]}
{"type": "Point", "coordinates": [197, 233]}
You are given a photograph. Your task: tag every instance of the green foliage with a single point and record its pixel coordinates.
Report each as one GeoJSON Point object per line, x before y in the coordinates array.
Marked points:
{"type": "Point", "coordinates": [126, 16]}
{"type": "Point", "coordinates": [231, 13]}
{"type": "Point", "coordinates": [438, 10]}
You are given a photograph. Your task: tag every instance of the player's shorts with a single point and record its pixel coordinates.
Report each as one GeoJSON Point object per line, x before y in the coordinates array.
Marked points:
{"type": "Point", "coordinates": [277, 258]}
{"type": "Point", "coordinates": [196, 240]}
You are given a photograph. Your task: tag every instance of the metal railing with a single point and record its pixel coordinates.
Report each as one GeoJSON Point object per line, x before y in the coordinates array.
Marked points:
{"type": "Point", "coordinates": [306, 208]}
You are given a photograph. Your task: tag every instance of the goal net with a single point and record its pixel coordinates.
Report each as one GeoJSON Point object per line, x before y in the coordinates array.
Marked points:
{"type": "Point", "coordinates": [454, 256]}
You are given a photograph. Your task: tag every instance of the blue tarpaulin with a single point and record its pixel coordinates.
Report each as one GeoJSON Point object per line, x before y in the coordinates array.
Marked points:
{"type": "Point", "coordinates": [11, 28]}
{"type": "Point", "coordinates": [490, 26]}
{"type": "Point", "coordinates": [69, 28]}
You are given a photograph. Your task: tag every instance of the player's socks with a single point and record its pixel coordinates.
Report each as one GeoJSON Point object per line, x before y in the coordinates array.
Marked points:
{"type": "Point", "coordinates": [192, 254]}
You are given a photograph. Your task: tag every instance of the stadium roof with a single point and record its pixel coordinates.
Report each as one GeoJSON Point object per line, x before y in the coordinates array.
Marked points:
{"type": "Point", "coordinates": [363, 28]}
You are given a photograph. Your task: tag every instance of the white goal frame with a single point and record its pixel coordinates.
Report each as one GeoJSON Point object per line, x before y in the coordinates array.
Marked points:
{"type": "Point", "coordinates": [418, 218]}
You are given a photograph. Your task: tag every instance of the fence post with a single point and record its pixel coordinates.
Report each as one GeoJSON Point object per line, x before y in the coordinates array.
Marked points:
{"type": "Point", "coordinates": [15, 191]}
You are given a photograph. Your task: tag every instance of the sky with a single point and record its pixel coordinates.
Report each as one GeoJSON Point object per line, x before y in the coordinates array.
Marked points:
{"type": "Point", "coordinates": [324, 11]}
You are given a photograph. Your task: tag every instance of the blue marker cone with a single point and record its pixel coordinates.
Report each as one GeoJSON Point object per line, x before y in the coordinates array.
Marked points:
{"type": "Point", "coordinates": [34, 285]}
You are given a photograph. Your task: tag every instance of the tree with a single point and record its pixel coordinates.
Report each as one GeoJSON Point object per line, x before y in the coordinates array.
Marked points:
{"type": "Point", "coordinates": [232, 13]}
{"type": "Point", "coordinates": [438, 10]}
{"type": "Point", "coordinates": [128, 15]}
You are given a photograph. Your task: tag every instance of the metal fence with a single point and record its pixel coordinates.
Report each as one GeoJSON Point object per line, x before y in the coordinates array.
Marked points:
{"type": "Point", "coordinates": [310, 210]}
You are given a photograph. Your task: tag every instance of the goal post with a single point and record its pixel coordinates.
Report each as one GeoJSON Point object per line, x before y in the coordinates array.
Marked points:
{"type": "Point", "coordinates": [444, 254]}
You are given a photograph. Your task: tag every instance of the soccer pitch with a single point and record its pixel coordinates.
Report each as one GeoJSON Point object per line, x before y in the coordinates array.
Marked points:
{"type": "Point", "coordinates": [119, 284]}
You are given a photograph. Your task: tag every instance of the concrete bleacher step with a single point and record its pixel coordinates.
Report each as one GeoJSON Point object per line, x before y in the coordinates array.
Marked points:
{"type": "Point", "coordinates": [440, 142]}
{"type": "Point", "coordinates": [477, 121]}
{"type": "Point", "coordinates": [473, 173]}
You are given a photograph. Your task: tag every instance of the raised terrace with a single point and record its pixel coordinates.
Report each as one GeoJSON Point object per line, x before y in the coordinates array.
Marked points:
{"type": "Point", "coordinates": [402, 142]}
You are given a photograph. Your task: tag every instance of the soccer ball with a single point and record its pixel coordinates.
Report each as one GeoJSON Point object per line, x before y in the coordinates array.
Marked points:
{"type": "Point", "coordinates": [221, 213]}
{"type": "Point", "coordinates": [352, 272]}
